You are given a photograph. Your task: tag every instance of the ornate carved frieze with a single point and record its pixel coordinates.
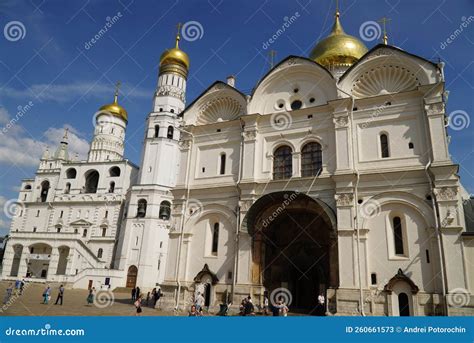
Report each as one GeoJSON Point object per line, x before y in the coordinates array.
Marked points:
{"type": "Point", "coordinates": [245, 205]}
{"type": "Point", "coordinates": [436, 108]}
{"type": "Point", "coordinates": [446, 193]}
{"type": "Point", "coordinates": [341, 121]}
{"type": "Point", "coordinates": [184, 144]}
{"type": "Point", "coordinates": [171, 91]}
{"type": "Point", "coordinates": [344, 199]}
{"type": "Point", "coordinates": [250, 135]}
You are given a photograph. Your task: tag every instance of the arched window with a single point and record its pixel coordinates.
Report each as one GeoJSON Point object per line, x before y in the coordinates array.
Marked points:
{"type": "Point", "coordinates": [114, 171]}
{"type": "Point", "coordinates": [398, 236]}
{"type": "Point", "coordinates": [384, 146]}
{"type": "Point", "coordinates": [215, 239]}
{"type": "Point", "coordinates": [170, 132]}
{"type": "Point", "coordinates": [71, 173]}
{"type": "Point", "coordinates": [311, 159]}
{"type": "Point", "coordinates": [67, 189]}
{"type": "Point", "coordinates": [84, 233]}
{"type": "Point", "coordinates": [141, 209]}
{"type": "Point", "coordinates": [165, 210]}
{"type": "Point", "coordinates": [28, 187]}
{"type": "Point", "coordinates": [99, 253]}
{"type": "Point", "coordinates": [44, 191]}
{"type": "Point", "coordinates": [157, 131]}
{"type": "Point", "coordinates": [282, 163]}
{"type": "Point", "coordinates": [403, 305]}
{"type": "Point", "coordinates": [104, 231]}
{"type": "Point", "coordinates": [222, 164]}
{"type": "Point", "coordinates": [112, 187]}
{"type": "Point", "coordinates": [92, 181]}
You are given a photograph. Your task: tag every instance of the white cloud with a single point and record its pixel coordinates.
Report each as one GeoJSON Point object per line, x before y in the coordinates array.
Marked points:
{"type": "Point", "coordinates": [72, 92]}
{"type": "Point", "coordinates": [19, 148]}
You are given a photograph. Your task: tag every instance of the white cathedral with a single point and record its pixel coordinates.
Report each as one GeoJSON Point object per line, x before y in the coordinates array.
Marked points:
{"type": "Point", "coordinates": [332, 177]}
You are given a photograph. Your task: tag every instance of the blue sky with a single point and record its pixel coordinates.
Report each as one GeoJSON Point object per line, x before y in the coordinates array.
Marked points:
{"type": "Point", "coordinates": [49, 67]}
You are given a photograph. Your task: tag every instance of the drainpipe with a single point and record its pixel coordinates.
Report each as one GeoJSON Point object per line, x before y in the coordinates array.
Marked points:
{"type": "Point", "coordinates": [237, 226]}
{"type": "Point", "coordinates": [435, 205]}
{"type": "Point", "coordinates": [356, 215]}
{"type": "Point", "coordinates": [183, 214]}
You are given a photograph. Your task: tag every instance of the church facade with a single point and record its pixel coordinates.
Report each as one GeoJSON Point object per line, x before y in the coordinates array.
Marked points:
{"type": "Point", "coordinates": [333, 177]}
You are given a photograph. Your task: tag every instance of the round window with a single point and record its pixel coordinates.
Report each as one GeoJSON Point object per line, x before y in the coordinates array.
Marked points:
{"type": "Point", "coordinates": [296, 105]}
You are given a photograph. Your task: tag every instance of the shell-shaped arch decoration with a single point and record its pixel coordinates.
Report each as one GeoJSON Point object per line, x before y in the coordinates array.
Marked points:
{"type": "Point", "coordinates": [384, 79]}
{"type": "Point", "coordinates": [219, 109]}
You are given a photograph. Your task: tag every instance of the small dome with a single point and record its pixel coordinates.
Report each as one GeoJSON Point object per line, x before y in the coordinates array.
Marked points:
{"type": "Point", "coordinates": [338, 49]}
{"type": "Point", "coordinates": [173, 56]}
{"type": "Point", "coordinates": [116, 110]}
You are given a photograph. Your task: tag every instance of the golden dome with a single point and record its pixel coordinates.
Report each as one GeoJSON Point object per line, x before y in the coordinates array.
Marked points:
{"type": "Point", "coordinates": [173, 56]}
{"type": "Point", "coordinates": [338, 49]}
{"type": "Point", "coordinates": [114, 108]}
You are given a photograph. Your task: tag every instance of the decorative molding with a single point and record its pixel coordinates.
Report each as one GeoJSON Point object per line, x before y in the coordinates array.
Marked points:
{"type": "Point", "coordinates": [344, 199]}
{"type": "Point", "coordinates": [250, 135]}
{"type": "Point", "coordinates": [171, 91]}
{"type": "Point", "coordinates": [446, 193]}
{"type": "Point", "coordinates": [245, 205]}
{"type": "Point", "coordinates": [219, 109]}
{"type": "Point", "coordinates": [341, 121]}
{"type": "Point", "coordinates": [436, 108]}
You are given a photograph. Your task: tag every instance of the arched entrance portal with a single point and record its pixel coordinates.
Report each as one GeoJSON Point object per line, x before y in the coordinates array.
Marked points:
{"type": "Point", "coordinates": [132, 276]}
{"type": "Point", "coordinates": [294, 249]}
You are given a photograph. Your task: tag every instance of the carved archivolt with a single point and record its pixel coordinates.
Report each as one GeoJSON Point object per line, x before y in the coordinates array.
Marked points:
{"type": "Point", "coordinates": [219, 109]}
{"type": "Point", "coordinates": [384, 79]}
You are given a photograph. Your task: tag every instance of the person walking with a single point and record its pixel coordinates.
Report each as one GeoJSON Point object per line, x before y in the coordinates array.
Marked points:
{"type": "Point", "coordinates": [46, 295]}
{"type": "Point", "coordinates": [134, 293]}
{"type": "Point", "coordinates": [60, 295]}
{"type": "Point", "coordinates": [138, 293]}
{"type": "Point", "coordinates": [199, 302]}
{"type": "Point", "coordinates": [90, 297]}
{"type": "Point", "coordinates": [147, 299]}
{"type": "Point", "coordinates": [193, 312]}
{"type": "Point", "coordinates": [138, 305]}
{"type": "Point", "coordinates": [157, 296]}
{"type": "Point", "coordinates": [265, 303]}
{"type": "Point", "coordinates": [284, 309]}
{"type": "Point", "coordinates": [8, 293]}
{"type": "Point", "coordinates": [22, 286]}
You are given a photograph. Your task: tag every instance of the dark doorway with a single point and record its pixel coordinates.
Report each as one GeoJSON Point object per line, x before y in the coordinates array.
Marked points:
{"type": "Point", "coordinates": [207, 295]}
{"type": "Point", "coordinates": [294, 250]}
{"type": "Point", "coordinates": [403, 305]}
{"type": "Point", "coordinates": [132, 276]}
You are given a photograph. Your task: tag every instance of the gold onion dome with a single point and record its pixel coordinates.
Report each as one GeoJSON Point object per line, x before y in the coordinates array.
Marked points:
{"type": "Point", "coordinates": [175, 55]}
{"type": "Point", "coordinates": [114, 108]}
{"type": "Point", "coordinates": [338, 49]}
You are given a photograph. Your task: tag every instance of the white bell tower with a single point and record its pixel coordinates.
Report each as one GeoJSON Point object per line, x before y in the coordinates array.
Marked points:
{"type": "Point", "coordinates": [143, 245]}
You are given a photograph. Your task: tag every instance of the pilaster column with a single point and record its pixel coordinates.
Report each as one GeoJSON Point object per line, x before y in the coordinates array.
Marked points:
{"type": "Point", "coordinates": [53, 264]}
{"type": "Point", "coordinates": [346, 240]}
{"type": "Point", "coordinates": [343, 141]}
{"type": "Point", "coordinates": [435, 111]}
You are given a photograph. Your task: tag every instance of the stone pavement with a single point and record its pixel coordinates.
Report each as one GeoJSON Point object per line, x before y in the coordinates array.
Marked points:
{"type": "Point", "coordinates": [74, 303]}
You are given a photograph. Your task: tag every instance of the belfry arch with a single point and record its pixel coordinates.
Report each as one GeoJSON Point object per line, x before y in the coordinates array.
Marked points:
{"type": "Point", "coordinates": [294, 246]}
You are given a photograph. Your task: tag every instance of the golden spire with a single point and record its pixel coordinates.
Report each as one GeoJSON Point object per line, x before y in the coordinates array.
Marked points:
{"type": "Point", "coordinates": [178, 35]}
{"type": "Point", "coordinates": [117, 87]}
{"type": "Point", "coordinates": [384, 21]}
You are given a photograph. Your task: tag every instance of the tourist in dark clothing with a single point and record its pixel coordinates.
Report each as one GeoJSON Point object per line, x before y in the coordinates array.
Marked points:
{"type": "Point", "coordinates": [248, 307]}
{"type": "Point", "coordinates": [60, 295]}
{"type": "Point", "coordinates": [134, 293]}
{"type": "Point", "coordinates": [138, 293]}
